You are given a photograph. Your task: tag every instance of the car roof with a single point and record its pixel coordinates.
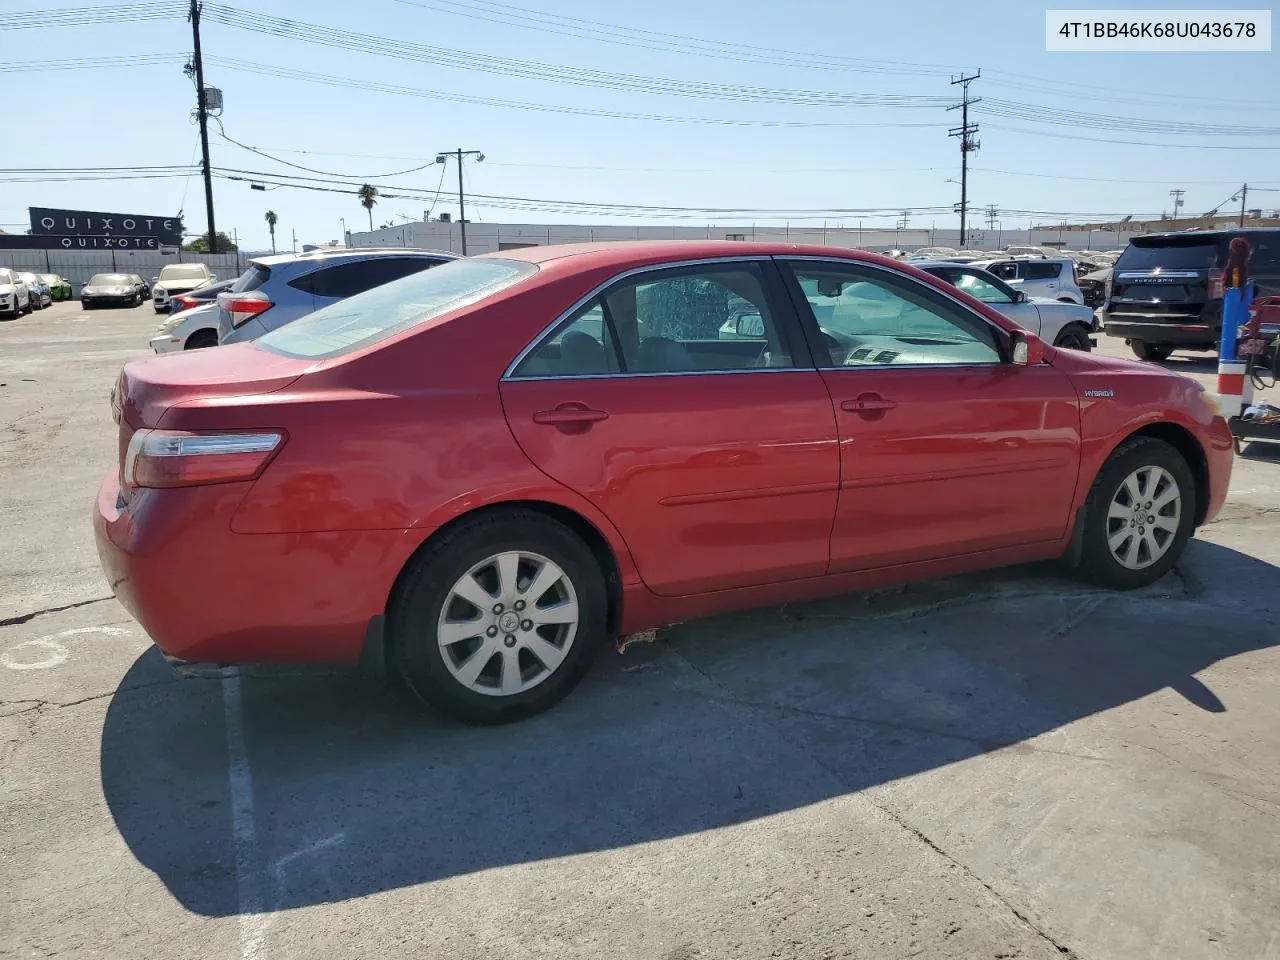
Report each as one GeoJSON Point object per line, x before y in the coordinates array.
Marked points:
{"type": "Point", "coordinates": [350, 253]}
{"type": "Point", "coordinates": [624, 254]}
{"type": "Point", "coordinates": [1206, 234]}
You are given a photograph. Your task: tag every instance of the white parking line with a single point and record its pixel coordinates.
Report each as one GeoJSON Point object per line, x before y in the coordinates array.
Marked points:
{"type": "Point", "coordinates": [244, 828]}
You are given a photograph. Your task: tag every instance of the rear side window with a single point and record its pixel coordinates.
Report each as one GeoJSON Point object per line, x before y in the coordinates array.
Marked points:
{"type": "Point", "coordinates": [347, 279]}
{"type": "Point", "coordinates": [384, 311]}
{"type": "Point", "coordinates": [1040, 271]}
{"type": "Point", "coordinates": [251, 279]}
{"type": "Point", "coordinates": [1171, 254]}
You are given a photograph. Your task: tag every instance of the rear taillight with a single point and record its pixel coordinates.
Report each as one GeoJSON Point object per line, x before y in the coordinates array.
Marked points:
{"type": "Point", "coordinates": [243, 309]}
{"type": "Point", "coordinates": [1215, 284]}
{"type": "Point", "coordinates": [183, 303]}
{"type": "Point", "coordinates": [174, 458]}
{"type": "Point", "coordinates": [1075, 273]}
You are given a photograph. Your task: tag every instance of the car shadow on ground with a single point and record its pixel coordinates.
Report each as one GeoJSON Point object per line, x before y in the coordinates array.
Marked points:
{"type": "Point", "coordinates": [353, 790]}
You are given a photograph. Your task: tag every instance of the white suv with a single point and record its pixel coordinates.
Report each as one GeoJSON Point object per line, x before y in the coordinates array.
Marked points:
{"type": "Point", "coordinates": [1055, 278]}
{"type": "Point", "coordinates": [178, 278]}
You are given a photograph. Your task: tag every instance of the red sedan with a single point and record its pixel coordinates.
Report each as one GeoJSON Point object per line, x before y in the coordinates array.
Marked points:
{"type": "Point", "coordinates": [482, 471]}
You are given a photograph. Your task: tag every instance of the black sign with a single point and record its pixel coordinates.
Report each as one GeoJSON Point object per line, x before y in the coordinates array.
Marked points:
{"type": "Point", "coordinates": [62, 224]}
{"type": "Point", "coordinates": [13, 241]}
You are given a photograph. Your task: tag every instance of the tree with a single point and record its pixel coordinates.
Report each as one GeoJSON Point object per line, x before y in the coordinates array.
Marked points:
{"type": "Point", "coordinates": [201, 244]}
{"type": "Point", "coordinates": [272, 220]}
{"type": "Point", "coordinates": [368, 197]}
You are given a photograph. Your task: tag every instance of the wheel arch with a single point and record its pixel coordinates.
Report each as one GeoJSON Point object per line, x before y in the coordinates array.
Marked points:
{"type": "Point", "coordinates": [1185, 442]}
{"type": "Point", "coordinates": [584, 528]}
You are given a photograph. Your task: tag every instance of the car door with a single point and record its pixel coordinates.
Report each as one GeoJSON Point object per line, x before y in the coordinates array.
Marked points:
{"type": "Point", "coordinates": [714, 454]}
{"type": "Point", "coordinates": [1041, 278]}
{"type": "Point", "coordinates": [986, 287]}
{"type": "Point", "coordinates": [946, 447]}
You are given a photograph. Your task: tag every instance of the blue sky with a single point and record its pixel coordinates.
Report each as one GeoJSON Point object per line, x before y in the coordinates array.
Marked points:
{"type": "Point", "coordinates": [887, 156]}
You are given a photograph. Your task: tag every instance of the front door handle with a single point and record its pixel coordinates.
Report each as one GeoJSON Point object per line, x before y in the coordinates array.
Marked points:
{"type": "Point", "coordinates": [867, 402]}
{"type": "Point", "coordinates": [570, 414]}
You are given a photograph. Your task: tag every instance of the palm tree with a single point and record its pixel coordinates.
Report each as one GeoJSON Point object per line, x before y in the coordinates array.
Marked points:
{"type": "Point", "coordinates": [272, 220]}
{"type": "Point", "coordinates": [368, 197]}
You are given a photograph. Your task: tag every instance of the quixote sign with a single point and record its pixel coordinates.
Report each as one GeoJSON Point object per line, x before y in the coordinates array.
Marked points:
{"type": "Point", "coordinates": [89, 225]}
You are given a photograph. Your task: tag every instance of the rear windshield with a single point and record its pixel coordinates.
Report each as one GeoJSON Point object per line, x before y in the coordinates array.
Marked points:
{"type": "Point", "coordinates": [377, 314]}
{"type": "Point", "coordinates": [183, 272]}
{"type": "Point", "coordinates": [1198, 254]}
{"type": "Point", "coordinates": [251, 279]}
{"type": "Point", "coordinates": [108, 280]}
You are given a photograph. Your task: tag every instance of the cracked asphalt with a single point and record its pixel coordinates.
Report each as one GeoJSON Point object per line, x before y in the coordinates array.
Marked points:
{"type": "Point", "coordinates": [1007, 765]}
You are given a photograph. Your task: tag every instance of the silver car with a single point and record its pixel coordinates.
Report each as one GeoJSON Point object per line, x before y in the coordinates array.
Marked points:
{"type": "Point", "coordinates": [276, 290]}
{"type": "Point", "coordinates": [1053, 321]}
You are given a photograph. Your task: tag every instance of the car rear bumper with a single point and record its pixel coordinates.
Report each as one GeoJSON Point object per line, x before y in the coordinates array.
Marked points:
{"type": "Point", "coordinates": [205, 594]}
{"type": "Point", "coordinates": [1189, 334]}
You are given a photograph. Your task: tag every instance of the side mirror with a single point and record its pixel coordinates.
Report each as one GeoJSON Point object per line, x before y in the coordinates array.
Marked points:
{"type": "Point", "coordinates": [1027, 350]}
{"type": "Point", "coordinates": [1019, 296]}
{"type": "Point", "coordinates": [750, 325]}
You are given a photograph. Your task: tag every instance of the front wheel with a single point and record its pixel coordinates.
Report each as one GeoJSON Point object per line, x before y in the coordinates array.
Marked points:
{"type": "Point", "coordinates": [1152, 352]}
{"type": "Point", "coordinates": [1073, 337]}
{"type": "Point", "coordinates": [201, 339]}
{"type": "Point", "coordinates": [500, 618]}
{"type": "Point", "coordinates": [1139, 515]}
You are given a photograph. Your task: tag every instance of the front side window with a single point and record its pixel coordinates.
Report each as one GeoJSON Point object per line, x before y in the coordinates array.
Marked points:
{"type": "Point", "coordinates": [1005, 271]}
{"type": "Point", "coordinates": [870, 317]}
{"type": "Point", "coordinates": [684, 320]}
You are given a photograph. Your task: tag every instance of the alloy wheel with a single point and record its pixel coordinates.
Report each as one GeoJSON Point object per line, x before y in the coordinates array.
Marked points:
{"type": "Point", "coordinates": [507, 623]}
{"type": "Point", "coordinates": [1143, 517]}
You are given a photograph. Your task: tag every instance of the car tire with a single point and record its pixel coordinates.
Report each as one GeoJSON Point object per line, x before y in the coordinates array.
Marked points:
{"type": "Point", "coordinates": [477, 555]}
{"type": "Point", "coordinates": [1143, 478]}
{"type": "Point", "coordinates": [1151, 352]}
{"type": "Point", "coordinates": [201, 339]}
{"type": "Point", "coordinates": [1073, 337]}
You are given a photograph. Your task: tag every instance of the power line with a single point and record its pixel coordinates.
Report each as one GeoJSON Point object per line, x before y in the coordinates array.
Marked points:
{"type": "Point", "coordinates": [289, 73]}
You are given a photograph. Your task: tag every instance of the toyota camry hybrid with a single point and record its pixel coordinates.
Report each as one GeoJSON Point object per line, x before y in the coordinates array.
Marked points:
{"type": "Point", "coordinates": [476, 474]}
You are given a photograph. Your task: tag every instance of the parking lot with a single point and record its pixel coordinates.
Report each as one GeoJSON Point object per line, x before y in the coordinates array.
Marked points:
{"type": "Point", "coordinates": [1007, 765]}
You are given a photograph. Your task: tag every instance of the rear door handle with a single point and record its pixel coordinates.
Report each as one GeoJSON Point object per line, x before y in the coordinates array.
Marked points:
{"type": "Point", "coordinates": [570, 414]}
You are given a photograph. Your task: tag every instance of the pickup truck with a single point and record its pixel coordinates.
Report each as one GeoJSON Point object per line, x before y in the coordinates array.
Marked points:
{"type": "Point", "coordinates": [178, 278]}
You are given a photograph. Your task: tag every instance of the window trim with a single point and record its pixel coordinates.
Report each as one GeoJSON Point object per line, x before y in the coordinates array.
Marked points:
{"type": "Point", "coordinates": [813, 333]}
{"type": "Point", "coordinates": [999, 284]}
{"type": "Point", "coordinates": [788, 324]}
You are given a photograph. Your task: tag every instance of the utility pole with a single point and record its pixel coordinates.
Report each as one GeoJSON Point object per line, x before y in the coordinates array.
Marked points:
{"type": "Point", "coordinates": [462, 211]}
{"type": "Point", "coordinates": [968, 143]}
{"type": "Point", "coordinates": [1177, 201]}
{"type": "Point", "coordinates": [992, 215]}
{"type": "Point", "coordinates": [202, 111]}
{"type": "Point", "coordinates": [295, 240]}
{"type": "Point", "coordinates": [1244, 193]}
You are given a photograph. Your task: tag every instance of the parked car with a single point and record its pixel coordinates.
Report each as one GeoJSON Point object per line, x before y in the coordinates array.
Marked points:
{"type": "Point", "coordinates": [1062, 324]}
{"type": "Point", "coordinates": [1094, 287]}
{"type": "Point", "coordinates": [276, 290]}
{"type": "Point", "coordinates": [179, 278]}
{"type": "Point", "coordinates": [59, 287]}
{"type": "Point", "coordinates": [37, 290]}
{"type": "Point", "coordinates": [109, 290]}
{"type": "Point", "coordinates": [192, 322]}
{"type": "Point", "coordinates": [146, 287]}
{"type": "Point", "coordinates": [15, 298]}
{"type": "Point", "coordinates": [1166, 288]}
{"type": "Point", "coordinates": [477, 473]}
{"type": "Point", "coordinates": [1054, 278]}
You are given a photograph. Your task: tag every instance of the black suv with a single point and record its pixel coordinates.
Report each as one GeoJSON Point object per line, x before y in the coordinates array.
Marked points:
{"type": "Point", "coordinates": [1166, 288]}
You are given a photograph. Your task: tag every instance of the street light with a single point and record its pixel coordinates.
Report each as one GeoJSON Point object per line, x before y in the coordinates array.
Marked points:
{"type": "Point", "coordinates": [462, 211]}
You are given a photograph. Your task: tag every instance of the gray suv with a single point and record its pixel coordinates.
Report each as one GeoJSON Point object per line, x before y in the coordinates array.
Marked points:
{"type": "Point", "coordinates": [276, 290]}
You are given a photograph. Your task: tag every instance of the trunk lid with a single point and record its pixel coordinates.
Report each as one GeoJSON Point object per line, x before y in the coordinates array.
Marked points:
{"type": "Point", "coordinates": [149, 386]}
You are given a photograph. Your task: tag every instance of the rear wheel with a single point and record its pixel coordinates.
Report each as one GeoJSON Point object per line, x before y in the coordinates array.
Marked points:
{"type": "Point", "coordinates": [1139, 515]}
{"type": "Point", "coordinates": [201, 339]}
{"type": "Point", "coordinates": [1073, 337]}
{"type": "Point", "coordinates": [1153, 352]}
{"type": "Point", "coordinates": [500, 618]}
